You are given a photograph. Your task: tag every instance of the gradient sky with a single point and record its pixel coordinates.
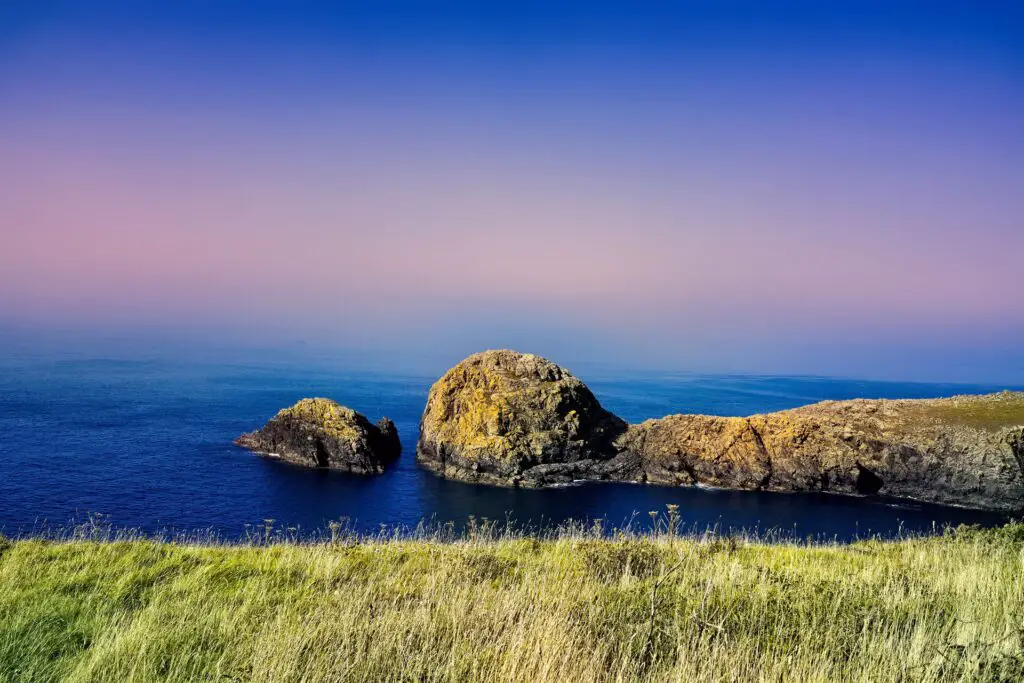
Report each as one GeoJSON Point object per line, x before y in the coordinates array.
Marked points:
{"type": "Point", "coordinates": [821, 188]}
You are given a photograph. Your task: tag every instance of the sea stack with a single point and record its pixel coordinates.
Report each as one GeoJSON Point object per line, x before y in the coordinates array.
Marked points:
{"type": "Point", "coordinates": [510, 418]}
{"type": "Point", "coordinates": [318, 432]}
{"type": "Point", "coordinates": [507, 418]}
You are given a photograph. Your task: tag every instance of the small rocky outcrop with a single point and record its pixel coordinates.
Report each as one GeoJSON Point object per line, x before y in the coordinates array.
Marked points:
{"type": "Point", "coordinates": [515, 419]}
{"type": "Point", "coordinates": [510, 418]}
{"type": "Point", "coordinates": [318, 432]}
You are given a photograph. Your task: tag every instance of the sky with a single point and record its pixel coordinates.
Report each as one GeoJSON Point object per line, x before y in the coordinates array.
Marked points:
{"type": "Point", "coordinates": [813, 188]}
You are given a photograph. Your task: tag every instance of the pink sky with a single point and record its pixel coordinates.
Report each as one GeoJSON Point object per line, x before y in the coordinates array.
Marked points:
{"type": "Point", "coordinates": [864, 200]}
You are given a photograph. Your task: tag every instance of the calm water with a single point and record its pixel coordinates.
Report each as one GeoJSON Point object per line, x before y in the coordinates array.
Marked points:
{"type": "Point", "coordinates": [148, 445]}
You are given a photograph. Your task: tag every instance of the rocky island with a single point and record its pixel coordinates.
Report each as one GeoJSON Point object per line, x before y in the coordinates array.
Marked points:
{"type": "Point", "coordinates": [507, 418]}
{"type": "Point", "coordinates": [318, 432]}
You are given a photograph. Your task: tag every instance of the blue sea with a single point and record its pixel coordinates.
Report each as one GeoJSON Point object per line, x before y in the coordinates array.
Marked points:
{"type": "Point", "coordinates": [146, 444]}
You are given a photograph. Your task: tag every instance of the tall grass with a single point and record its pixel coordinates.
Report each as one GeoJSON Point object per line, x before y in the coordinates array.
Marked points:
{"type": "Point", "coordinates": [579, 605]}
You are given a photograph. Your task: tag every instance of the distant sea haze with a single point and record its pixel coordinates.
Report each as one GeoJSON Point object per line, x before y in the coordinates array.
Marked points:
{"type": "Point", "coordinates": [148, 445]}
{"type": "Point", "coordinates": [761, 187]}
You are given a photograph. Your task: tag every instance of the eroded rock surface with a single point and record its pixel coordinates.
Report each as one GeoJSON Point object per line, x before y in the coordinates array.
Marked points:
{"type": "Point", "coordinates": [318, 432]}
{"type": "Point", "coordinates": [511, 418]}
{"type": "Point", "coordinates": [955, 450]}
{"type": "Point", "coordinates": [515, 419]}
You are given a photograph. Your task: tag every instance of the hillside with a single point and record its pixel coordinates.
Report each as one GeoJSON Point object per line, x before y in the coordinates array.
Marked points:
{"type": "Point", "coordinates": [573, 607]}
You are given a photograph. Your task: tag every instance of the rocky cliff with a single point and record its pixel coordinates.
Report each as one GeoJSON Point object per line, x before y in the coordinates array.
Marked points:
{"type": "Point", "coordinates": [964, 450]}
{"type": "Point", "coordinates": [505, 417]}
{"type": "Point", "coordinates": [317, 432]}
{"type": "Point", "coordinates": [508, 418]}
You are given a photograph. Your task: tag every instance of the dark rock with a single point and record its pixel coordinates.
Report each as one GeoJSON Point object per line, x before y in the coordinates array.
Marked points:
{"type": "Point", "coordinates": [317, 432]}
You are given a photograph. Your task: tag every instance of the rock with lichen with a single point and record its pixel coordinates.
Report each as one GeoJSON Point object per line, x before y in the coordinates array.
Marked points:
{"type": "Point", "coordinates": [511, 418]}
{"type": "Point", "coordinates": [318, 432]}
{"type": "Point", "coordinates": [507, 418]}
{"type": "Point", "coordinates": [964, 450]}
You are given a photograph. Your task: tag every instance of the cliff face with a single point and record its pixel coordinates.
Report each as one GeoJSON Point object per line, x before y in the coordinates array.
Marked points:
{"type": "Point", "coordinates": [513, 419]}
{"type": "Point", "coordinates": [317, 432]}
{"type": "Point", "coordinates": [498, 415]}
{"type": "Point", "coordinates": [964, 450]}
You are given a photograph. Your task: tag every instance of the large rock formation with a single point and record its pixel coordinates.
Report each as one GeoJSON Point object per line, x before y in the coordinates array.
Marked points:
{"type": "Point", "coordinates": [965, 450]}
{"type": "Point", "coordinates": [508, 418]}
{"type": "Point", "coordinates": [317, 432]}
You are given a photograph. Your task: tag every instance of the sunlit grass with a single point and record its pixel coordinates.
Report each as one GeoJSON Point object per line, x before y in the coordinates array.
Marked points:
{"type": "Point", "coordinates": [992, 412]}
{"type": "Point", "coordinates": [574, 606]}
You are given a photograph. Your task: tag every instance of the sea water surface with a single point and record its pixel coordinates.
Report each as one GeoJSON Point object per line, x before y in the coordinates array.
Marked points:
{"type": "Point", "coordinates": [147, 444]}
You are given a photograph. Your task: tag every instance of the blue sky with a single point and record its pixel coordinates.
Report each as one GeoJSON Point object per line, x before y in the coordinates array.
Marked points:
{"type": "Point", "coordinates": [823, 188]}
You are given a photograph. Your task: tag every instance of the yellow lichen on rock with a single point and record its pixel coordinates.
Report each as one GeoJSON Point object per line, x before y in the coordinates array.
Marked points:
{"type": "Point", "coordinates": [318, 432]}
{"type": "Point", "coordinates": [509, 418]}
{"type": "Point", "coordinates": [498, 412]}
{"type": "Point", "coordinates": [964, 450]}
{"type": "Point", "coordinates": [330, 416]}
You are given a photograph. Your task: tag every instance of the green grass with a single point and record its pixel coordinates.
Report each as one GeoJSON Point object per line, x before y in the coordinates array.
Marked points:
{"type": "Point", "coordinates": [992, 412]}
{"type": "Point", "coordinates": [566, 608]}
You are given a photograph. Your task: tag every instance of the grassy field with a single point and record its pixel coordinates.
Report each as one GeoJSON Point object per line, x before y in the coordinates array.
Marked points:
{"type": "Point", "coordinates": [480, 608]}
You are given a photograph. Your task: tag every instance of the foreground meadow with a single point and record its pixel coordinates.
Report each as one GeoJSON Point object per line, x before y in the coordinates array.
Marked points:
{"type": "Point", "coordinates": [571, 607]}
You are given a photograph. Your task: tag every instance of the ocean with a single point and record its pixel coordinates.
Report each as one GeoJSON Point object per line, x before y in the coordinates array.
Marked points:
{"type": "Point", "coordinates": [147, 445]}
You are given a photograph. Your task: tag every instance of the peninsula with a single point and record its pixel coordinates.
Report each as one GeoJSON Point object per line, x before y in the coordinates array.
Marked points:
{"type": "Point", "coordinates": [506, 418]}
